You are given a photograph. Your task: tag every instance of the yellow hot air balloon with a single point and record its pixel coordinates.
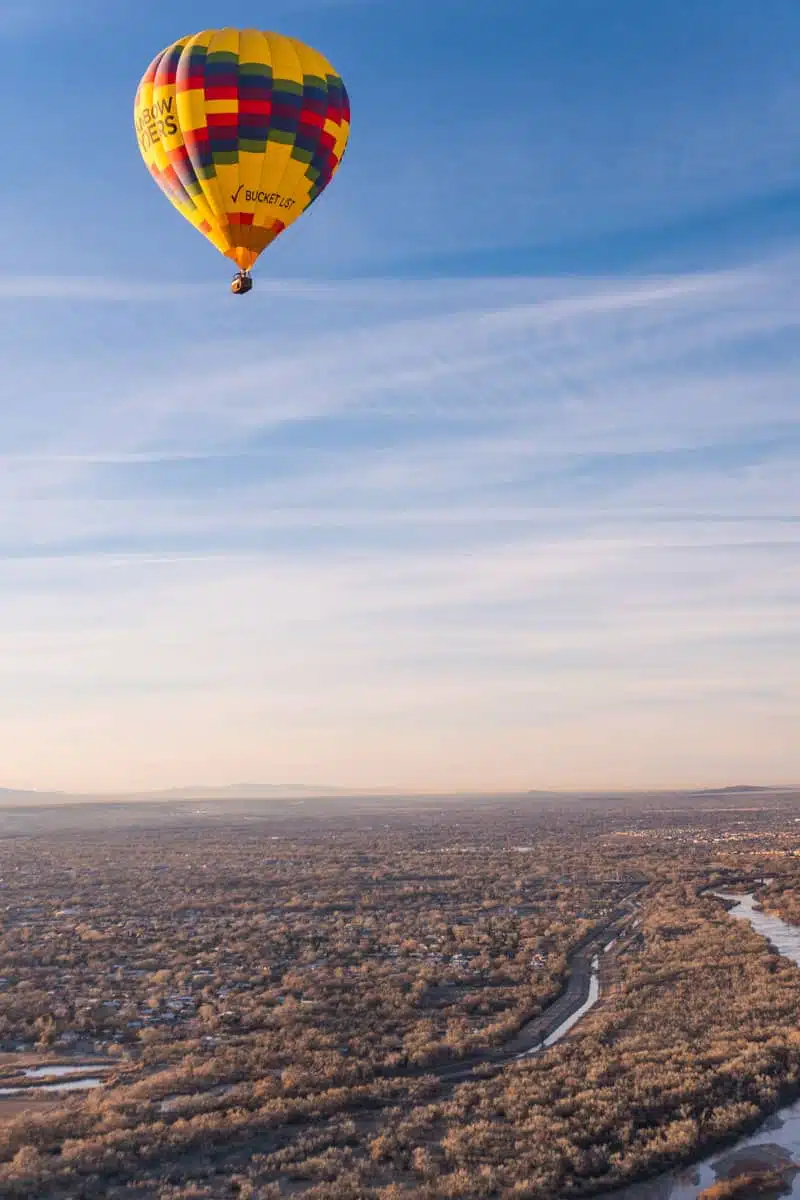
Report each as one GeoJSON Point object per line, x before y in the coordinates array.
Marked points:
{"type": "Point", "coordinates": [241, 130]}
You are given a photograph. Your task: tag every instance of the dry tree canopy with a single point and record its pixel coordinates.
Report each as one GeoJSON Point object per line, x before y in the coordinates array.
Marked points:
{"type": "Point", "coordinates": [284, 1002]}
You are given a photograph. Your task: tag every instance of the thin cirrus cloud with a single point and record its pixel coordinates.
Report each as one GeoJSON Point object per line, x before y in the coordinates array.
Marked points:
{"type": "Point", "coordinates": [444, 532]}
{"type": "Point", "coordinates": [499, 533]}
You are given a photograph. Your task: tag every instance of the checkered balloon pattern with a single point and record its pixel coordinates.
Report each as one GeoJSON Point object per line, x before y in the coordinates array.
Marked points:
{"type": "Point", "coordinates": [241, 130]}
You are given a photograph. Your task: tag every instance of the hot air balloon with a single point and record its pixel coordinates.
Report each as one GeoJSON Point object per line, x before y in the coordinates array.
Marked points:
{"type": "Point", "coordinates": [241, 130]}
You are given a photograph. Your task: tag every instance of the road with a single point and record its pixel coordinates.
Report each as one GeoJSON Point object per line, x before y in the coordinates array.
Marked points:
{"type": "Point", "coordinates": [535, 1032]}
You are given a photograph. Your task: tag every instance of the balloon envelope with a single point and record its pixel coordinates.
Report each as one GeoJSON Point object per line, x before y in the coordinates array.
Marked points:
{"type": "Point", "coordinates": [241, 130]}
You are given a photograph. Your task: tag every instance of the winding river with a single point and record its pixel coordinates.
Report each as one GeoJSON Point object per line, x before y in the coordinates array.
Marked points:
{"type": "Point", "coordinates": [777, 1143]}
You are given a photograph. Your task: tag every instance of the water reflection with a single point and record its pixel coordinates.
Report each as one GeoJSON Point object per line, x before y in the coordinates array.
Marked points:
{"type": "Point", "coordinates": [70, 1085]}
{"type": "Point", "coordinates": [57, 1070]}
{"type": "Point", "coordinates": [777, 1142]}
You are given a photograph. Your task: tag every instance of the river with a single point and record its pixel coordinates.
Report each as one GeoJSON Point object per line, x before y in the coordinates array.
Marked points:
{"type": "Point", "coordinates": [91, 1076]}
{"type": "Point", "coordinates": [59, 1069]}
{"type": "Point", "coordinates": [71, 1085]}
{"type": "Point", "coordinates": [777, 1142]}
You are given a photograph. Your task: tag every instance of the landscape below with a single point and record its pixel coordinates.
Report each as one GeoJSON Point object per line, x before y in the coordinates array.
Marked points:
{"type": "Point", "coordinates": [261, 998]}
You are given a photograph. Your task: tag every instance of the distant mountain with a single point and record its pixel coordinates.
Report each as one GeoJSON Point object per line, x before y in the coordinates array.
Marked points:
{"type": "Point", "coordinates": [261, 791]}
{"type": "Point", "coordinates": [16, 797]}
{"type": "Point", "coordinates": [20, 797]}
{"type": "Point", "coordinates": [12, 796]}
{"type": "Point", "coordinates": [735, 790]}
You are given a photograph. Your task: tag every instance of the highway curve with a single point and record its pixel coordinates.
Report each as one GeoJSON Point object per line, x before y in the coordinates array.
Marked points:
{"type": "Point", "coordinates": [533, 1033]}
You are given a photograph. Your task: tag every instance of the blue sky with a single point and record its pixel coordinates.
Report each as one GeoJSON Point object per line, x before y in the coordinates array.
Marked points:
{"type": "Point", "coordinates": [493, 479]}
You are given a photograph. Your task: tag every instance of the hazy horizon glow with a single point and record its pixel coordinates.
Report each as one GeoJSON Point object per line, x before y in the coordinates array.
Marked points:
{"type": "Point", "coordinates": [400, 522]}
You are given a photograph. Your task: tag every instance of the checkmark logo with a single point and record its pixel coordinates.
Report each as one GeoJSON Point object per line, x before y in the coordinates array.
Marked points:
{"type": "Point", "coordinates": [235, 196]}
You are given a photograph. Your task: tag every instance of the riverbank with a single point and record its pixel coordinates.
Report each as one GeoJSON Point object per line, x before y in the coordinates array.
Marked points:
{"type": "Point", "coordinates": [769, 1151]}
{"type": "Point", "coordinates": [696, 1044]}
{"type": "Point", "coordinates": [699, 1038]}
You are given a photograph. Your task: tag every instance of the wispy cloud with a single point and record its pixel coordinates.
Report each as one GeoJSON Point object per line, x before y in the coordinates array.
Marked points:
{"type": "Point", "coordinates": [547, 514]}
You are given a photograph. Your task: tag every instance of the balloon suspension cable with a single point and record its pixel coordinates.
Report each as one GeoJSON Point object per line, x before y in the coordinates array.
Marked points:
{"type": "Point", "coordinates": [242, 283]}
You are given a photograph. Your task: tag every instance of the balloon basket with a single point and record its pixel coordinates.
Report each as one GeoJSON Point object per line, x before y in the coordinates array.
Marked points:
{"type": "Point", "coordinates": [241, 284]}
